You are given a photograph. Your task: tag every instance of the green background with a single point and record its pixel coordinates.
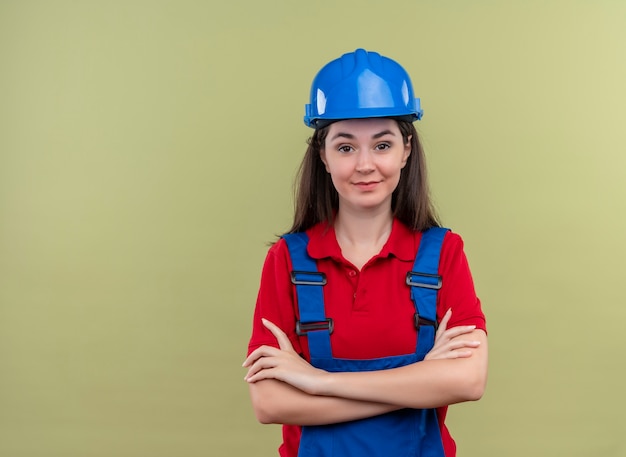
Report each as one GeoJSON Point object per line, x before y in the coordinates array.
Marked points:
{"type": "Point", "coordinates": [147, 154]}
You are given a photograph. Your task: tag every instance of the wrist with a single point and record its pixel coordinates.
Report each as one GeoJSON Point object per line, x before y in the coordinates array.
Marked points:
{"type": "Point", "coordinates": [326, 382]}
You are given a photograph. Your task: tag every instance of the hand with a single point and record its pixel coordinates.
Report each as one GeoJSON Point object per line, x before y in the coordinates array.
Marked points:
{"type": "Point", "coordinates": [448, 344]}
{"type": "Point", "coordinates": [283, 364]}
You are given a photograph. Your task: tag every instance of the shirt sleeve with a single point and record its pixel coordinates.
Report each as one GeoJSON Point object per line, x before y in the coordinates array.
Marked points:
{"type": "Point", "coordinates": [275, 300]}
{"type": "Point", "coordinates": [457, 289]}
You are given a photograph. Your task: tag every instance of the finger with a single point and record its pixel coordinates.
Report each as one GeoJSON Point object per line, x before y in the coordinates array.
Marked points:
{"type": "Point", "coordinates": [460, 344]}
{"type": "Point", "coordinates": [443, 325]}
{"type": "Point", "coordinates": [452, 348]}
{"type": "Point", "coordinates": [446, 318]}
{"type": "Point", "coordinates": [262, 364]}
{"type": "Point", "coordinates": [450, 354]}
{"type": "Point", "coordinates": [258, 353]}
{"type": "Point", "coordinates": [460, 330]}
{"type": "Point", "coordinates": [269, 373]}
{"type": "Point", "coordinates": [460, 354]}
{"type": "Point", "coordinates": [281, 337]}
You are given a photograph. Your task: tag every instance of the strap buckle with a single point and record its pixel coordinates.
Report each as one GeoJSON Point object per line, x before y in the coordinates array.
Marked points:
{"type": "Point", "coordinates": [420, 321]}
{"type": "Point", "coordinates": [308, 278]}
{"type": "Point", "coordinates": [304, 328]}
{"type": "Point", "coordinates": [428, 281]}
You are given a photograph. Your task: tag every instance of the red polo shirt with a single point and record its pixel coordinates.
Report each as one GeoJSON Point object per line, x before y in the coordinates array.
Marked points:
{"type": "Point", "coordinates": [371, 308]}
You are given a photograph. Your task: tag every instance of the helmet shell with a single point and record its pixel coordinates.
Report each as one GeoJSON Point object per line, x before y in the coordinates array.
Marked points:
{"type": "Point", "coordinates": [358, 85]}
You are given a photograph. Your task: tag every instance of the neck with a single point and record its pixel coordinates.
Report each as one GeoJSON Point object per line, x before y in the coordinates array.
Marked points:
{"type": "Point", "coordinates": [363, 229]}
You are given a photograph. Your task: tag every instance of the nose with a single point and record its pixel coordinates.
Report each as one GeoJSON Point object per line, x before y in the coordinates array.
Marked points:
{"type": "Point", "coordinates": [365, 163]}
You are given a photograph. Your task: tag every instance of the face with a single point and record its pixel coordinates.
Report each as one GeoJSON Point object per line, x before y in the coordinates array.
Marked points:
{"type": "Point", "coordinates": [364, 158]}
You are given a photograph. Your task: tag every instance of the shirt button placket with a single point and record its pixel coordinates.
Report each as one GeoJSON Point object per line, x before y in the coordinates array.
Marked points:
{"type": "Point", "coordinates": [352, 274]}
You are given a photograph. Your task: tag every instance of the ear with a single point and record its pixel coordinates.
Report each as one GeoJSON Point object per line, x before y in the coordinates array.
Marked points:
{"type": "Point", "coordinates": [407, 151]}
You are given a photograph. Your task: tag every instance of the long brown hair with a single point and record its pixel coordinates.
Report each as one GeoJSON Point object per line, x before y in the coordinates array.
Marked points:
{"type": "Point", "coordinates": [316, 199]}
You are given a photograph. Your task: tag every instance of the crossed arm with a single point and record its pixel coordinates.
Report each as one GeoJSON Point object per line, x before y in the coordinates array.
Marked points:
{"type": "Point", "coordinates": [286, 389]}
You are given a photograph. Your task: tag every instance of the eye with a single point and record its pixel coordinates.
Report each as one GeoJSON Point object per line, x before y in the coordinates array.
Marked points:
{"type": "Point", "coordinates": [382, 146]}
{"type": "Point", "coordinates": [345, 148]}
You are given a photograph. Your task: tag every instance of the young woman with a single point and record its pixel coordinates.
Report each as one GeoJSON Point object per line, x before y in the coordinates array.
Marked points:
{"type": "Point", "coordinates": [344, 350]}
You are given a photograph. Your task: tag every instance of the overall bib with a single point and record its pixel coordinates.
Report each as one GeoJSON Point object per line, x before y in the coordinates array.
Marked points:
{"type": "Point", "coordinates": [407, 432]}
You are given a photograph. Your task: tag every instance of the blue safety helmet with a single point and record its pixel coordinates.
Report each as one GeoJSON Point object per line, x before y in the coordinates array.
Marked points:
{"type": "Point", "coordinates": [358, 85]}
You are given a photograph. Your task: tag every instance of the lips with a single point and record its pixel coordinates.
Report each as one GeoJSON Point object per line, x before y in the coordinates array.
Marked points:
{"type": "Point", "coordinates": [369, 185]}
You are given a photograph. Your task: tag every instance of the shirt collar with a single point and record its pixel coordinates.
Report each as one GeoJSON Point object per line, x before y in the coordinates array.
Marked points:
{"type": "Point", "coordinates": [323, 242]}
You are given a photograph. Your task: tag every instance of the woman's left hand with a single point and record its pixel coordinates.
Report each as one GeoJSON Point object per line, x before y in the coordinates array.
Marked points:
{"type": "Point", "coordinates": [451, 343]}
{"type": "Point", "coordinates": [283, 364]}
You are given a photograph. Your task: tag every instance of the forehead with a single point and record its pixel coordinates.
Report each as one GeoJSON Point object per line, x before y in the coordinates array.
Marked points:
{"type": "Point", "coordinates": [363, 127]}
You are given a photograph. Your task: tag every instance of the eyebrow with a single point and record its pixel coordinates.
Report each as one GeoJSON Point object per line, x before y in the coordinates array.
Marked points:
{"type": "Point", "coordinates": [352, 137]}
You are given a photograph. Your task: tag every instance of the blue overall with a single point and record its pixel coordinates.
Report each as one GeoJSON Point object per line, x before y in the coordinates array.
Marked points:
{"type": "Point", "coordinates": [407, 432]}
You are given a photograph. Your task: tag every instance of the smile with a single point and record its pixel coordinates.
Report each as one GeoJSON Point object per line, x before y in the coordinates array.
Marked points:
{"type": "Point", "coordinates": [370, 185]}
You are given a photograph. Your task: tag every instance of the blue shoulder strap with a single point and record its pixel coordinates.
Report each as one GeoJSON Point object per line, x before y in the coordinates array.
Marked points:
{"type": "Point", "coordinates": [310, 295]}
{"type": "Point", "coordinates": [425, 281]}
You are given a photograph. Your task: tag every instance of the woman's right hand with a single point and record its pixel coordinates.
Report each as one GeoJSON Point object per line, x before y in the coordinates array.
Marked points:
{"type": "Point", "coordinates": [449, 343]}
{"type": "Point", "coordinates": [283, 364]}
